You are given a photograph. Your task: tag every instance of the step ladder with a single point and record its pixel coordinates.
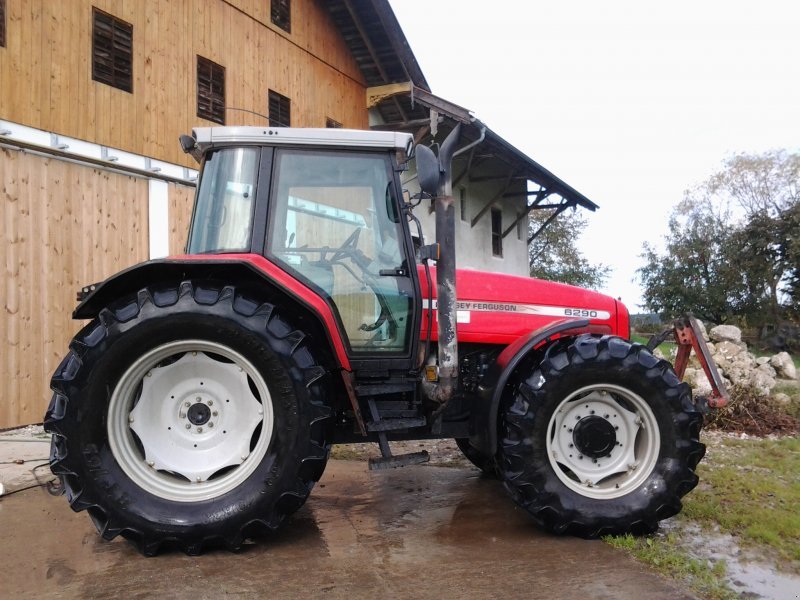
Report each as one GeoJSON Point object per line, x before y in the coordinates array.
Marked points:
{"type": "Point", "coordinates": [387, 460]}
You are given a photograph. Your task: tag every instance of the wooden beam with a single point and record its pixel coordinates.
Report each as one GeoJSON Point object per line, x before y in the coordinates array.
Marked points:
{"type": "Point", "coordinates": [497, 196]}
{"type": "Point", "coordinates": [379, 93]}
{"type": "Point", "coordinates": [488, 178]}
{"type": "Point", "coordinates": [557, 212]}
{"type": "Point", "coordinates": [541, 195]}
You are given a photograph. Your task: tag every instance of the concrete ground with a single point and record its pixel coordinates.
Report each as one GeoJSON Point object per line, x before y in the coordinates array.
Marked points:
{"type": "Point", "coordinates": [416, 532]}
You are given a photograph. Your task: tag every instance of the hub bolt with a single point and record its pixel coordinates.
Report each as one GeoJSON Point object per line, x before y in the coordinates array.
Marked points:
{"type": "Point", "coordinates": [211, 424]}
{"type": "Point", "coordinates": [210, 402]}
{"type": "Point", "coordinates": [188, 426]}
{"type": "Point", "coordinates": [199, 430]}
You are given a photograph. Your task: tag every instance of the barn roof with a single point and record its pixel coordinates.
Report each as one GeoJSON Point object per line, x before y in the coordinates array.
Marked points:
{"type": "Point", "coordinates": [401, 99]}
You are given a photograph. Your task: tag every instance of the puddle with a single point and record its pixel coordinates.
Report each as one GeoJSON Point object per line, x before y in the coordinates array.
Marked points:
{"type": "Point", "coordinates": [746, 574]}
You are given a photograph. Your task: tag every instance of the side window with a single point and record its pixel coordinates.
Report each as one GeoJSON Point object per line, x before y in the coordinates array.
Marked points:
{"type": "Point", "coordinates": [497, 232]}
{"type": "Point", "coordinates": [112, 51]}
{"type": "Point", "coordinates": [280, 110]}
{"type": "Point", "coordinates": [281, 14]}
{"type": "Point", "coordinates": [223, 214]}
{"type": "Point", "coordinates": [333, 223]}
{"type": "Point", "coordinates": [2, 23]}
{"type": "Point", "coordinates": [210, 90]}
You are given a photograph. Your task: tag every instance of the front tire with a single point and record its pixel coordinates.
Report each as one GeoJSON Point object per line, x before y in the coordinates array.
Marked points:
{"type": "Point", "coordinates": [189, 417]}
{"type": "Point", "coordinates": [599, 438]}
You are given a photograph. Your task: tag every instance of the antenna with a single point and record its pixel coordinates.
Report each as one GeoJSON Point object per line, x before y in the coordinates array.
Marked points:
{"type": "Point", "coordinates": [252, 112]}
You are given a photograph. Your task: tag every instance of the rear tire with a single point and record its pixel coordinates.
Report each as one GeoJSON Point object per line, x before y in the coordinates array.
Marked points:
{"type": "Point", "coordinates": [485, 463]}
{"type": "Point", "coordinates": [599, 438]}
{"type": "Point", "coordinates": [188, 417]}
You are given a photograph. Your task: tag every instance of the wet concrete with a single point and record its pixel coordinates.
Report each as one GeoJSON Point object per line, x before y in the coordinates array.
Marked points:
{"type": "Point", "coordinates": [418, 532]}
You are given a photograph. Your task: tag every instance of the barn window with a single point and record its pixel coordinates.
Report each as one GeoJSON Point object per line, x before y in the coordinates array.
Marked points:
{"type": "Point", "coordinates": [112, 51]}
{"type": "Point", "coordinates": [281, 11]}
{"type": "Point", "coordinates": [210, 90]}
{"type": "Point", "coordinates": [2, 23]}
{"type": "Point", "coordinates": [279, 110]}
{"type": "Point", "coordinates": [331, 124]}
{"type": "Point", "coordinates": [497, 232]}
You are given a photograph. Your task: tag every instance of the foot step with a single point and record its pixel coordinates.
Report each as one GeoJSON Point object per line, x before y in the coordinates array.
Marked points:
{"type": "Point", "coordinates": [394, 424]}
{"type": "Point", "coordinates": [402, 460]}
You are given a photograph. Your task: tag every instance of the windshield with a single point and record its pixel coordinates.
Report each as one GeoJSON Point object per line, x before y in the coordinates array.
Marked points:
{"type": "Point", "coordinates": [223, 214]}
{"type": "Point", "coordinates": [335, 223]}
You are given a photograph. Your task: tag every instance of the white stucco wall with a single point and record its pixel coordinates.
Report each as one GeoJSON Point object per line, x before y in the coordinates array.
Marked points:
{"type": "Point", "coordinates": [474, 244]}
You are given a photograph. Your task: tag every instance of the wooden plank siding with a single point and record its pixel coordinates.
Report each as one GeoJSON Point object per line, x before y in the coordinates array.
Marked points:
{"type": "Point", "coordinates": [64, 225]}
{"type": "Point", "coordinates": [181, 201]}
{"type": "Point", "coordinates": [46, 69]}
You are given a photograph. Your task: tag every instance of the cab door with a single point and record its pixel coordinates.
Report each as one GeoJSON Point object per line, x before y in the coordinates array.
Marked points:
{"type": "Point", "coordinates": [336, 224]}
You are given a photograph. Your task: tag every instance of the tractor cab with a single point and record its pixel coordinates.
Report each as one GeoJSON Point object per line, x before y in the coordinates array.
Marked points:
{"type": "Point", "coordinates": [329, 216]}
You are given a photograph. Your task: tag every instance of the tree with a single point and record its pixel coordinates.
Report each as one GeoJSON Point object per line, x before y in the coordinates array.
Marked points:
{"type": "Point", "coordinates": [698, 272]}
{"type": "Point", "coordinates": [734, 249]}
{"type": "Point", "coordinates": [554, 256]}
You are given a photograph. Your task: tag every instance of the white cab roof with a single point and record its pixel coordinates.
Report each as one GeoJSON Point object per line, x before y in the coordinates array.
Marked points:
{"type": "Point", "coordinates": [207, 137]}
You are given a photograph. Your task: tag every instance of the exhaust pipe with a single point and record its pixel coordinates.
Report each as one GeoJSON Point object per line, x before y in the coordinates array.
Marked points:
{"type": "Point", "coordinates": [446, 271]}
{"type": "Point", "coordinates": [435, 177]}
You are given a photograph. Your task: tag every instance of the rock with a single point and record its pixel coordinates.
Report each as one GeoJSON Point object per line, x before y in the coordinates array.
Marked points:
{"type": "Point", "coordinates": [762, 360]}
{"type": "Point", "coordinates": [697, 379]}
{"type": "Point", "coordinates": [783, 365]}
{"type": "Point", "coordinates": [728, 349]}
{"type": "Point", "coordinates": [762, 383]}
{"type": "Point", "coordinates": [702, 327]}
{"type": "Point", "coordinates": [767, 370]}
{"type": "Point", "coordinates": [725, 333]}
{"type": "Point", "coordinates": [781, 399]}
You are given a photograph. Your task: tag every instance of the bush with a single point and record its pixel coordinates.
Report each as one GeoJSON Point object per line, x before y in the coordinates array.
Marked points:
{"type": "Point", "coordinates": [752, 413]}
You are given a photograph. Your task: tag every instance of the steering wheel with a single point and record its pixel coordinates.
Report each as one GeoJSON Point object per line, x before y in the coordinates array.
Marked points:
{"type": "Point", "coordinates": [348, 246]}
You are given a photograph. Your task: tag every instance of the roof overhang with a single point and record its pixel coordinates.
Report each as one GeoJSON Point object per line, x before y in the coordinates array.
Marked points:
{"type": "Point", "coordinates": [490, 158]}
{"type": "Point", "coordinates": [400, 99]}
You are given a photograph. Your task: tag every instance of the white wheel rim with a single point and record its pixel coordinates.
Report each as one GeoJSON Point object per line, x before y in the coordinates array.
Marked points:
{"type": "Point", "coordinates": [183, 420]}
{"type": "Point", "coordinates": [622, 422]}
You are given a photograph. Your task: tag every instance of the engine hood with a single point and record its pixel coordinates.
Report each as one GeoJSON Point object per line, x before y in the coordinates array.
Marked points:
{"type": "Point", "coordinates": [498, 308]}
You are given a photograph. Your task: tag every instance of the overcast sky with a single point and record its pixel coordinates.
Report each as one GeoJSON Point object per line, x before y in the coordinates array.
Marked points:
{"type": "Point", "coordinates": [629, 102]}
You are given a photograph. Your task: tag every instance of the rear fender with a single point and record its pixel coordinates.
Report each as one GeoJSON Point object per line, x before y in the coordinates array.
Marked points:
{"type": "Point", "coordinates": [263, 280]}
{"type": "Point", "coordinates": [485, 413]}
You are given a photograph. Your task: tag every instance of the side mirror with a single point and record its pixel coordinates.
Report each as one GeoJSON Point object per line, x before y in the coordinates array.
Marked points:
{"type": "Point", "coordinates": [427, 170]}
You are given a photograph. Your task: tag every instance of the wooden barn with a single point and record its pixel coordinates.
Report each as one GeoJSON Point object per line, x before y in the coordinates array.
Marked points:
{"type": "Point", "coordinates": [93, 97]}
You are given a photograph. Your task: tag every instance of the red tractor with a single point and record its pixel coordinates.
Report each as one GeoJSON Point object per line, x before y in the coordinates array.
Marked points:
{"type": "Point", "coordinates": [199, 405]}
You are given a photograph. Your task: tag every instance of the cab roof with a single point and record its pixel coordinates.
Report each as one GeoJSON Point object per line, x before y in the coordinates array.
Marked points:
{"type": "Point", "coordinates": [209, 137]}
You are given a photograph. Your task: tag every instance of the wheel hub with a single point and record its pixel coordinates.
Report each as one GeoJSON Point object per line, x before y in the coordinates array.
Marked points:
{"type": "Point", "coordinates": [199, 414]}
{"type": "Point", "coordinates": [594, 437]}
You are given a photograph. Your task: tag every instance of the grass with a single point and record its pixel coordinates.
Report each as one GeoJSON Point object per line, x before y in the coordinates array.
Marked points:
{"type": "Point", "coordinates": [666, 557]}
{"type": "Point", "coordinates": [749, 489]}
{"type": "Point", "coordinates": [665, 347]}
{"type": "Point", "coordinates": [791, 389]}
